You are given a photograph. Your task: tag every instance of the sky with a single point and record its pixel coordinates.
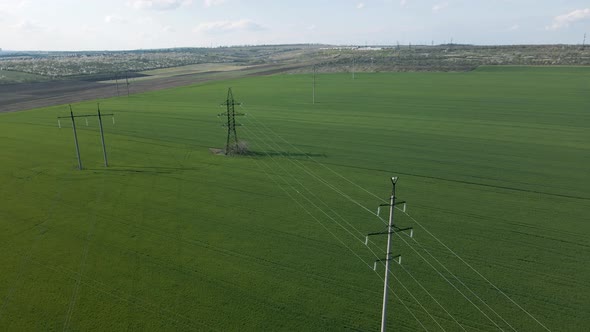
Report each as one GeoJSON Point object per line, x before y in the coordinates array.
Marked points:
{"type": "Point", "coordinates": [70, 25]}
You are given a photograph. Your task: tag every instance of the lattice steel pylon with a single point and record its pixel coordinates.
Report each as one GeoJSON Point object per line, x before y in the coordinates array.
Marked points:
{"type": "Point", "coordinates": [231, 145]}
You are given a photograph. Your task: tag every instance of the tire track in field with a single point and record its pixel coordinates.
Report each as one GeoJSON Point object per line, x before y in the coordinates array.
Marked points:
{"type": "Point", "coordinates": [134, 321]}
{"type": "Point", "coordinates": [104, 288]}
{"type": "Point", "coordinates": [82, 267]}
{"type": "Point", "coordinates": [179, 228]}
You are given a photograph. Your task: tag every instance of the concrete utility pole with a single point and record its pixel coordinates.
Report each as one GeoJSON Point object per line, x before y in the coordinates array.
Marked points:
{"type": "Point", "coordinates": [76, 139]}
{"type": "Point", "coordinates": [117, 84]}
{"type": "Point", "coordinates": [127, 82]}
{"type": "Point", "coordinates": [313, 87]}
{"type": "Point", "coordinates": [391, 229]}
{"type": "Point", "coordinates": [104, 148]}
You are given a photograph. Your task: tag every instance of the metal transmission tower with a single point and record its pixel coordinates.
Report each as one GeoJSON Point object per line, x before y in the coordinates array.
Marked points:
{"type": "Point", "coordinates": [231, 145]}
{"type": "Point", "coordinates": [73, 117]}
{"type": "Point", "coordinates": [391, 229]}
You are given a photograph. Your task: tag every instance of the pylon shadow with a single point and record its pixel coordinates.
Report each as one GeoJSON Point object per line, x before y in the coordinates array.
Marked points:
{"type": "Point", "coordinates": [283, 154]}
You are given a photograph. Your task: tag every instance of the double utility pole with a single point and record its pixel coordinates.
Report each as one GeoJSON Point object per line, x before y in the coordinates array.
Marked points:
{"type": "Point", "coordinates": [73, 118]}
{"type": "Point", "coordinates": [126, 83]}
{"type": "Point", "coordinates": [391, 229]}
{"type": "Point", "coordinates": [231, 145]}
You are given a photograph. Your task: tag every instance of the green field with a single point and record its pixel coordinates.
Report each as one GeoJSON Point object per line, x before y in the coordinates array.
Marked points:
{"type": "Point", "coordinates": [11, 77]}
{"type": "Point", "coordinates": [493, 163]}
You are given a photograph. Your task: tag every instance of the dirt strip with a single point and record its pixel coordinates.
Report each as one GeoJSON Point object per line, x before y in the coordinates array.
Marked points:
{"type": "Point", "coordinates": [25, 96]}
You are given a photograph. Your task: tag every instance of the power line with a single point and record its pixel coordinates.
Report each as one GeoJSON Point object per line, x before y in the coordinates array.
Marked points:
{"type": "Point", "coordinates": [332, 233]}
{"type": "Point", "coordinates": [330, 217]}
{"type": "Point", "coordinates": [463, 284]}
{"type": "Point", "coordinates": [413, 219]}
{"type": "Point", "coordinates": [479, 274]}
{"type": "Point", "coordinates": [431, 296]}
{"type": "Point", "coordinates": [450, 283]}
{"type": "Point", "coordinates": [404, 213]}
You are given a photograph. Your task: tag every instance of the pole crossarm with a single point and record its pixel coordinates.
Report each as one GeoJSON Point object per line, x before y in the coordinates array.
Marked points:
{"type": "Point", "coordinates": [396, 230]}
{"type": "Point", "coordinates": [84, 116]}
{"type": "Point", "coordinates": [236, 114]}
{"type": "Point", "coordinates": [393, 231]}
{"type": "Point", "coordinates": [396, 203]}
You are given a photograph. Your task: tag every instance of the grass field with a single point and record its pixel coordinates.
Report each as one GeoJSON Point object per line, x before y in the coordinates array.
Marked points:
{"type": "Point", "coordinates": [184, 70]}
{"type": "Point", "coordinates": [11, 77]}
{"type": "Point", "coordinates": [493, 163]}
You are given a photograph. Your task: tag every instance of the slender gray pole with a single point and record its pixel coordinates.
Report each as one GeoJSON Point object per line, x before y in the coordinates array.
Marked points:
{"type": "Point", "coordinates": [313, 84]}
{"type": "Point", "coordinates": [76, 139]}
{"type": "Point", "coordinates": [104, 148]}
{"type": "Point", "coordinates": [388, 256]}
{"type": "Point", "coordinates": [127, 82]}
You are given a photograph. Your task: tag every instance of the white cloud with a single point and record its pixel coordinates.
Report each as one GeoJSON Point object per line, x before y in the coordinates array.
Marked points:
{"type": "Point", "coordinates": [159, 4]}
{"type": "Point", "coordinates": [211, 3]}
{"type": "Point", "coordinates": [13, 6]}
{"type": "Point", "coordinates": [311, 27]}
{"type": "Point", "coordinates": [440, 6]}
{"type": "Point", "coordinates": [145, 20]}
{"type": "Point", "coordinates": [28, 25]}
{"type": "Point", "coordinates": [360, 5]}
{"type": "Point", "coordinates": [168, 29]}
{"type": "Point", "coordinates": [227, 26]}
{"type": "Point", "coordinates": [564, 21]}
{"type": "Point", "coordinates": [114, 19]}
{"type": "Point", "coordinates": [403, 3]}
{"type": "Point", "coordinates": [514, 27]}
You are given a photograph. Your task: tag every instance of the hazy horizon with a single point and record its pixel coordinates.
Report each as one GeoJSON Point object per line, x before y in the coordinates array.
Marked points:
{"type": "Point", "coordinates": [110, 25]}
{"type": "Point", "coordinates": [270, 45]}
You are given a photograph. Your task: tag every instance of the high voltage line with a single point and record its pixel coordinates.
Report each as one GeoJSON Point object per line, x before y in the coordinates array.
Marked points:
{"type": "Point", "coordinates": [386, 286]}
{"type": "Point", "coordinates": [432, 235]}
{"type": "Point", "coordinates": [329, 231]}
{"type": "Point", "coordinates": [470, 301]}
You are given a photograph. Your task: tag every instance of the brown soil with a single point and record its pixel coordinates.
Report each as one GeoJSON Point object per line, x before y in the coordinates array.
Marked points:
{"type": "Point", "coordinates": [25, 96]}
{"type": "Point", "coordinates": [217, 152]}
